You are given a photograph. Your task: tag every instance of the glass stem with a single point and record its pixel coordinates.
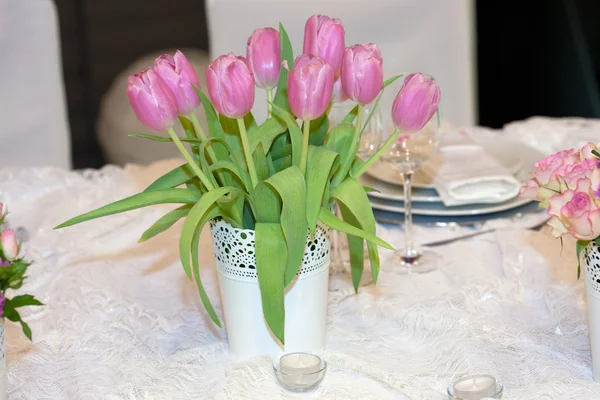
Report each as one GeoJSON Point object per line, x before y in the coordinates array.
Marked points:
{"type": "Point", "coordinates": [408, 223]}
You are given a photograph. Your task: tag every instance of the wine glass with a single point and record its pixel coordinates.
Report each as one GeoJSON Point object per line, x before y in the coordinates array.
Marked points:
{"type": "Point", "coordinates": [407, 155]}
{"type": "Point", "coordinates": [370, 141]}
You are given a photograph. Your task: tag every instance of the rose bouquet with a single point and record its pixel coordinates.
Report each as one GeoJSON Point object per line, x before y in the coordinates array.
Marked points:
{"type": "Point", "coordinates": [567, 183]}
{"type": "Point", "coordinates": [12, 275]}
{"type": "Point", "coordinates": [281, 177]}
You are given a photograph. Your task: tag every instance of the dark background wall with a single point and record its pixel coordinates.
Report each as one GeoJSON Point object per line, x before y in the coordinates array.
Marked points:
{"type": "Point", "coordinates": [101, 38]}
{"type": "Point", "coordinates": [535, 57]}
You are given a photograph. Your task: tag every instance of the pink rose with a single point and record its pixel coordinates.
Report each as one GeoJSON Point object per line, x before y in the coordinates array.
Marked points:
{"type": "Point", "coordinates": [544, 168]}
{"type": "Point", "coordinates": [576, 212]}
{"type": "Point", "coordinates": [572, 173]}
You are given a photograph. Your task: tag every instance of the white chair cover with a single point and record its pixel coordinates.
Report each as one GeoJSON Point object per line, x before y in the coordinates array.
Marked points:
{"type": "Point", "coordinates": [34, 128]}
{"type": "Point", "coordinates": [414, 35]}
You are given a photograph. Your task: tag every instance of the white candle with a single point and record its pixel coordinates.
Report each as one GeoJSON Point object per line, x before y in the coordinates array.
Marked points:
{"type": "Point", "coordinates": [299, 364]}
{"type": "Point", "coordinates": [475, 387]}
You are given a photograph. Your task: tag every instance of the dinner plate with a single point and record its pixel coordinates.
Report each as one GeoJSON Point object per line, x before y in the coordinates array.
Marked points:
{"type": "Point", "coordinates": [438, 209]}
{"type": "Point", "coordinates": [508, 152]}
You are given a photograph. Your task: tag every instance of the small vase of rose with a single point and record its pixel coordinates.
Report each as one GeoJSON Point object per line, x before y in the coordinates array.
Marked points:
{"type": "Point", "coordinates": [13, 269]}
{"type": "Point", "coordinates": [568, 185]}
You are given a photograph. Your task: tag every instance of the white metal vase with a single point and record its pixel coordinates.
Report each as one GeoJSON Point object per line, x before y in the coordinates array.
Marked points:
{"type": "Point", "coordinates": [590, 260]}
{"type": "Point", "coordinates": [305, 298]}
{"type": "Point", "coordinates": [2, 360]}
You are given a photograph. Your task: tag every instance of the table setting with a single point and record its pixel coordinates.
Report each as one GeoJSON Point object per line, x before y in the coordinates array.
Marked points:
{"type": "Point", "coordinates": [353, 245]}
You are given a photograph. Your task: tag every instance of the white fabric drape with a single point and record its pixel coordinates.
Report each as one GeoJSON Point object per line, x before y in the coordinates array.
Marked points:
{"type": "Point", "coordinates": [33, 127]}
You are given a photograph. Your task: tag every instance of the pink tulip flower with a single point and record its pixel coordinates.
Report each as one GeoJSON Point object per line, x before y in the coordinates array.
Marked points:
{"type": "Point", "coordinates": [180, 77]}
{"type": "Point", "coordinates": [310, 86]}
{"type": "Point", "coordinates": [362, 72]}
{"type": "Point", "coordinates": [415, 104]}
{"type": "Point", "coordinates": [152, 101]}
{"type": "Point", "coordinates": [264, 57]}
{"type": "Point", "coordinates": [10, 247]}
{"type": "Point", "coordinates": [230, 85]}
{"type": "Point", "coordinates": [324, 38]}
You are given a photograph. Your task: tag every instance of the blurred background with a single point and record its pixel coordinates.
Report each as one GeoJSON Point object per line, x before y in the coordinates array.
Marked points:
{"type": "Point", "coordinates": [65, 62]}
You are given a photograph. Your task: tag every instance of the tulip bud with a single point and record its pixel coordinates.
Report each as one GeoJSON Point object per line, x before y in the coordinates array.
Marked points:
{"type": "Point", "coordinates": [181, 78]}
{"type": "Point", "coordinates": [264, 58]}
{"type": "Point", "coordinates": [362, 72]}
{"type": "Point", "coordinates": [230, 86]}
{"type": "Point", "coordinates": [151, 100]}
{"type": "Point", "coordinates": [338, 96]}
{"type": "Point", "coordinates": [10, 247]}
{"type": "Point", "coordinates": [324, 38]}
{"type": "Point", "coordinates": [415, 103]}
{"type": "Point", "coordinates": [310, 86]}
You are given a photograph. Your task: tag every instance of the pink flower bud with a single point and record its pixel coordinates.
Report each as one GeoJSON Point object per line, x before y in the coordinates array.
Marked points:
{"type": "Point", "coordinates": [362, 72]}
{"type": "Point", "coordinates": [230, 86]}
{"type": "Point", "coordinates": [324, 38]}
{"type": "Point", "coordinates": [415, 103]}
{"type": "Point", "coordinates": [264, 58]}
{"type": "Point", "coordinates": [151, 100]}
{"type": "Point", "coordinates": [310, 86]}
{"type": "Point", "coordinates": [10, 247]}
{"type": "Point", "coordinates": [180, 77]}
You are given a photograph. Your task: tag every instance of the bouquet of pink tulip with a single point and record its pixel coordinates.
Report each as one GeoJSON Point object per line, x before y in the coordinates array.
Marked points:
{"type": "Point", "coordinates": [281, 177]}
{"type": "Point", "coordinates": [12, 275]}
{"type": "Point", "coordinates": [568, 185]}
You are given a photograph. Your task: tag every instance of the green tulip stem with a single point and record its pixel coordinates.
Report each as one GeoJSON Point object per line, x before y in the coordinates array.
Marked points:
{"type": "Point", "coordinates": [247, 154]}
{"type": "Point", "coordinates": [375, 105]}
{"type": "Point", "coordinates": [347, 163]}
{"type": "Point", "coordinates": [269, 102]}
{"type": "Point", "coordinates": [305, 137]}
{"type": "Point", "coordinates": [377, 155]}
{"type": "Point", "coordinates": [198, 128]}
{"type": "Point", "coordinates": [190, 160]}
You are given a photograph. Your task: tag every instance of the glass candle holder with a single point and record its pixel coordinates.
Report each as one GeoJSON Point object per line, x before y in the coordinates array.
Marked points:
{"type": "Point", "coordinates": [475, 387]}
{"type": "Point", "coordinates": [300, 372]}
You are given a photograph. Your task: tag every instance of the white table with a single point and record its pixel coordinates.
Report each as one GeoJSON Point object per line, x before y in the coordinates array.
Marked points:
{"type": "Point", "coordinates": [123, 322]}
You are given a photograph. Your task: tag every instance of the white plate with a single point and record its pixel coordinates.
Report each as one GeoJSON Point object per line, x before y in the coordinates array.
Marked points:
{"type": "Point", "coordinates": [390, 197]}
{"type": "Point", "coordinates": [502, 149]}
{"type": "Point", "coordinates": [434, 210]}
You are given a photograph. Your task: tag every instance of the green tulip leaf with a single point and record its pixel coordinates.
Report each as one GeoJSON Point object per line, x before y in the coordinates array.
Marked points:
{"type": "Point", "coordinates": [165, 222]}
{"type": "Point", "coordinates": [356, 249]}
{"type": "Point", "coordinates": [164, 196]}
{"type": "Point", "coordinates": [295, 133]}
{"type": "Point", "coordinates": [165, 139]}
{"type": "Point", "coordinates": [318, 130]}
{"type": "Point", "coordinates": [193, 219]}
{"type": "Point", "coordinates": [173, 178]}
{"type": "Point", "coordinates": [290, 186]}
{"type": "Point", "coordinates": [282, 163]}
{"type": "Point", "coordinates": [13, 315]}
{"type": "Point", "coordinates": [271, 259]}
{"type": "Point", "coordinates": [260, 163]}
{"type": "Point", "coordinates": [287, 54]}
{"type": "Point", "coordinates": [334, 222]}
{"type": "Point", "coordinates": [212, 213]}
{"type": "Point", "coordinates": [266, 133]}
{"type": "Point", "coordinates": [318, 171]}
{"type": "Point", "coordinates": [240, 175]}
{"type": "Point", "coordinates": [351, 116]}
{"type": "Point", "coordinates": [351, 194]}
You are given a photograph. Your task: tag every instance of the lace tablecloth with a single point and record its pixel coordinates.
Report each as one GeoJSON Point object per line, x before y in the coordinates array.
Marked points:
{"type": "Point", "coordinates": [123, 322]}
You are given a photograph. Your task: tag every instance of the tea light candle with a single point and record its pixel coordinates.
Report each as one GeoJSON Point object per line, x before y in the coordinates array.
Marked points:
{"type": "Point", "coordinates": [299, 364]}
{"type": "Point", "coordinates": [476, 387]}
{"type": "Point", "coordinates": [300, 372]}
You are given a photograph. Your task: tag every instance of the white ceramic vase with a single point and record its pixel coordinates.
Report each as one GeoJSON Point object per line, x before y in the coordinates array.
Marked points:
{"type": "Point", "coordinates": [305, 298]}
{"type": "Point", "coordinates": [590, 261]}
